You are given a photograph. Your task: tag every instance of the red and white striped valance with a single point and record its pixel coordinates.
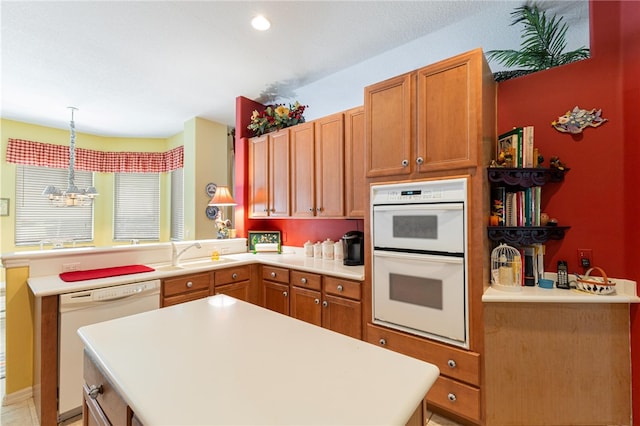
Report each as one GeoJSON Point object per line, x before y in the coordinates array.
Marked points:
{"type": "Point", "coordinates": [31, 153]}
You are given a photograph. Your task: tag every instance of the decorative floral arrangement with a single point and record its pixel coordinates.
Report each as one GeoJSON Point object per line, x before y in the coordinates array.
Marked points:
{"type": "Point", "coordinates": [275, 117]}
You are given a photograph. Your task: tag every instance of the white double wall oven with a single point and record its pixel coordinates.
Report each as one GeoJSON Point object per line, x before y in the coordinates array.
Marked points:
{"type": "Point", "coordinates": [419, 240]}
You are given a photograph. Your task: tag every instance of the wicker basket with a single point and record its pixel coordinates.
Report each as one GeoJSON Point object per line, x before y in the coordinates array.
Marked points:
{"type": "Point", "coordinates": [596, 285]}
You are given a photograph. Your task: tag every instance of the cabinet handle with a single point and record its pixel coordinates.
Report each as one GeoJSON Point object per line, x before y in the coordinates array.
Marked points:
{"type": "Point", "coordinates": [234, 276]}
{"type": "Point", "coordinates": [383, 342]}
{"type": "Point", "coordinates": [265, 210]}
{"type": "Point", "coordinates": [452, 397]}
{"type": "Point", "coordinates": [319, 209]}
{"type": "Point", "coordinates": [419, 161]}
{"type": "Point", "coordinates": [451, 363]}
{"type": "Point", "coordinates": [285, 294]}
{"type": "Point", "coordinates": [189, 284]}
{"type": "Point", "coordinates": [311, 209]}
{"type": "Point", "coordinates": [340, 288]}
{"type": "Point", "coordinates": [405, 163]}
{"type": "Point", "coordinates": [325, 303]}
{"type": "Point", "coordinates": [94, 391]}
{"type": "Point", "coordinates": [316, 301]}
{"type": "Point", "coordinates": [273, 275]}
{"type": "Point", "coordinates": [303, 280]}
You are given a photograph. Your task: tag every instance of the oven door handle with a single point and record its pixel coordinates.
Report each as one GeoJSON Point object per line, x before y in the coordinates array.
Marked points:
{"type": "Point", "coordinates": [412, 256]}
{"type": "Point", "coordinates": [423, 206]}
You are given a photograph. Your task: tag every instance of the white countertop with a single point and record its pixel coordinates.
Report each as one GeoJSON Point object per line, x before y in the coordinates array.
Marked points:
{"type": "Point", "coordinates": [52, 284]}
{"type": "Point", "coordinates": [222, 361]}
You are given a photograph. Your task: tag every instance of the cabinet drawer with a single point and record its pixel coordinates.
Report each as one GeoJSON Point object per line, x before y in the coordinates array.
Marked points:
{"type": "Point", "coordinates": [343, 288]}
{"type": "Point", "coordinates": [184, 297]}
{"type": "Point", "coordinates": [306, 280]}
{"type": "Point", "coordinates": [452, 362]}
{"type": "Point", "coordinates": [108, 402]}
{"type": "Point", "coordinates": [455, 397]}
{"type": "Point", "coordinates": [231, 275]}
{"type": "Point", "coordinates": [272, 273]}
{"type": "Point", "coordinates": [185, 284]}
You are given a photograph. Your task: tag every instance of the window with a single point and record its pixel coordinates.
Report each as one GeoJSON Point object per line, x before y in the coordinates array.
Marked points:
{"type": "Point", "coordinates": [177, 205]}
{"type": "Point", "coordinates": [37, 221]}
{"type": "Point", "coordinates": [136, 212]}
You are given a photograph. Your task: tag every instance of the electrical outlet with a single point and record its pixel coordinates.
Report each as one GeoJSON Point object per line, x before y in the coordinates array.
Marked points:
{"type": "Point", "coordinates": [585, 258]}
{"type": "Point", "coordinates": [69, 267]}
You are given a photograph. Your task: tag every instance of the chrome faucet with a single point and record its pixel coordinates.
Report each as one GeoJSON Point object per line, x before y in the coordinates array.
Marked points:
{"type": "Point", "coordinates": [175, 255]}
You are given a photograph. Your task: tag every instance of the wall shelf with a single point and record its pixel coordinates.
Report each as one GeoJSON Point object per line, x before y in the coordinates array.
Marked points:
{"type": "Point", "coordinates": [526, 235]}
{"type": "Point", "coordinates": [525, 177]}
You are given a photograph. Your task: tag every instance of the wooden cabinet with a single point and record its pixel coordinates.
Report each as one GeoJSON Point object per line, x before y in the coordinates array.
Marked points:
{"type": "Point", "coordinates": [269, 175]}
{"type": "Point", "coordinates": [427, 120]}
{"type": "Point", "coordinates": [235, 282]}
{"type": "Point", "coordinates": [457, 389]}
{"type": "Point", "coordinates": [102, 405]}
{"type": "Point", "coordinates": [355, 185]}
{"type": "Point", "coordinates": [275, 289]}
{"type": "Point", "coordinates": [185, 288]}
{"type": "Point", "coordinates": [317, 168]}
{"type": "Point", "coordinates": [306, 297]}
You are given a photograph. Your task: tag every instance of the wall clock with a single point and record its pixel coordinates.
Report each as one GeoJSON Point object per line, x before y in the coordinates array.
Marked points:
{"type": "Point", "coordinates": [210, 189]}
{"type": "Point", "coordinates": [212, 212]}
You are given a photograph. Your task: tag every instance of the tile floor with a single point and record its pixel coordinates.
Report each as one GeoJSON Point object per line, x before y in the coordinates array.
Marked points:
{"type": "Point", "coordinates": [24, 413]}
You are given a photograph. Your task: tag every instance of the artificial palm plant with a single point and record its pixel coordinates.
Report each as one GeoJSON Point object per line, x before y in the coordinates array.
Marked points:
{"type": "Point", "coordinates": [542, 45]}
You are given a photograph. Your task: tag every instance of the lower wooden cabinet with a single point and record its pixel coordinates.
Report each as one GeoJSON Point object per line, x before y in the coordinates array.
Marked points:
{"type": "Point", "coordinates": [275, 289]}
{"type": "Point", "coordinates": [185, 288]}
{"type": "Point", "coordinates": [235, 282]}
{"type": "Point", "coordinates": [457, 390]}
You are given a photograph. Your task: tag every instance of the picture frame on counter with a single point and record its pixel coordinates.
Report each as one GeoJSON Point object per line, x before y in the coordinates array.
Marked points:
{"type": "Point", "coordinates": [258, 239]}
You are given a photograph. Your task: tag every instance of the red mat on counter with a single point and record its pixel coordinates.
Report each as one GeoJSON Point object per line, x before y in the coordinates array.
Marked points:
{"type": "Point", "coordinates": [92, 274]}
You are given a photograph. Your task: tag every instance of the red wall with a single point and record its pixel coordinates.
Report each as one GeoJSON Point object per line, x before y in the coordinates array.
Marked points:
{"type": "Point", "coordinates": [599, 198]}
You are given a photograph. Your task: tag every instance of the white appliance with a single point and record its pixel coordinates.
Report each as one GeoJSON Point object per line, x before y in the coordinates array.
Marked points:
{"type": "Point", "coordinates": [419, 236]}
{"type": "Point", "coordinates": [89, 307]}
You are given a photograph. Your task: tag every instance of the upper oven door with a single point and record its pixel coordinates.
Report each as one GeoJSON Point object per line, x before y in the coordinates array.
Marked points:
{"type": "Point", "coordinates": [419, 227]}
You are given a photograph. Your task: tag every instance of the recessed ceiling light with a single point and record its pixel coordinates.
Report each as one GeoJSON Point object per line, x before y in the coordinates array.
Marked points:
{"type": "Point", "coordinates": [260, 23]}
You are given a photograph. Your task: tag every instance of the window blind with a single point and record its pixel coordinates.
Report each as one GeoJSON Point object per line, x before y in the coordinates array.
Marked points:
{"type": "Point", "coordinates": [136, 211]}
{"type": "Point", "coordinates": [37, 221]}
{"type": "Point", "coordinates": [177, 205]}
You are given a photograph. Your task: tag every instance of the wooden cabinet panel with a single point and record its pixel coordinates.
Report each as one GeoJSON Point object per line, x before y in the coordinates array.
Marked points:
{"type": "Point", "coordinates": [389, 126]}
{"type": "Point", "coordinates": [258, 176]}
{"type": "Point", "coordinates": [231, 275]}
{"type": "Point", "coordinates": [186, 297]}
{"type": "Point", "coordinates": [342, 315]}
{"type": "Point", "coordinates": [240, 290]}
{"type": "Point", "coordinates": [303, 202]}
{"type": "Point", "coordinates": [343, 288]}
{"type": "Point", "coordinates": [306, 280]}
{"type": "Point", "coordinates": [108, 403]}
{"type": "Point", "coordinates": [329, 166]}
{"type": "Point", "coordinates": [455, 363]}
{"type": "Point", "coordinates": [185, 288]}
{"type": "Point", "coordinates": [273, 273]}
{"type": "Point", "coordinates": [456, 397]}
{"type": "Point", "coordinates": [355, 185]}
{"type": "Point", "coordinates": [269, 175]}
{"type": "Point", "coordinates": [305, 305]}
{"type": "Point", "coordinates": [276, 296]}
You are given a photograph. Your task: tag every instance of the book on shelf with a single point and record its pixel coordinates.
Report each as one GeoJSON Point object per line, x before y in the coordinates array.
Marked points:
{"type": "Point", "coordinates": [518, 145]}
{"type": "Point", "coordinates": [528, 148]}
{"type": "Point", "coordinates": [498, 201]}
{"type": "Point", "coordinates": [521, 208]}
{"type": "Point", "coordinates": [533, 264]}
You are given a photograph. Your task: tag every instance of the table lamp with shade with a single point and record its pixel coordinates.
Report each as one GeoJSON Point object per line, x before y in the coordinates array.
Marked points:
{"type": "Point", "coordinates": [222, 198]}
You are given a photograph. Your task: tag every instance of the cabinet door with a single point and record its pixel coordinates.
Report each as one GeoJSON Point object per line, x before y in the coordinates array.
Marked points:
{"type": "Point", "coordinates": [449, 112]}
{"type": "Point", "coordinates": [276, 297]}
{"type": "Point", "coordinates": [355, 185]}
{"type": "Point", "coordinates": [258, 176]}
{"type": "Point", "coordinates": [302, 170]}
{"type": "Point", "coordinates": [305, 305]}
{"type": "Point", "coordinates": [342, 315]}
{"type": "Point", "coordinates": [329, 166]}
{"type": "Point", "coordinates": [240, 290]}
{"type": "Point", "coordinates": [389, 127]}
{"type": "Point", "coordinates": [279, 174]}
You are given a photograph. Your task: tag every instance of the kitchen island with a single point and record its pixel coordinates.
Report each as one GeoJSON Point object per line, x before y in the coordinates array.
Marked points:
{"type": "Point", "coordinates": [223, 361]}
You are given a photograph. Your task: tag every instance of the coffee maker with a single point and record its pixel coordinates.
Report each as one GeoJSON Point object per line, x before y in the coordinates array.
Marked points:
{"type": "Point", "coordinates": [353, 247]}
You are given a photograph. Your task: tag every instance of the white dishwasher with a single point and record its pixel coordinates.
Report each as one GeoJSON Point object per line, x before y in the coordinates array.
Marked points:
{"type": "Point", "coordinates": [89, 307]}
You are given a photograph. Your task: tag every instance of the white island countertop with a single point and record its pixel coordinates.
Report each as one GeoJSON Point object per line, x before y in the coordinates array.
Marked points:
{"type": "Point", "coordinates": [223, 361]}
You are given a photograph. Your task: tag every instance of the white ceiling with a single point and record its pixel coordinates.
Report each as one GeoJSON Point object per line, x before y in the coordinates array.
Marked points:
{"type": "Point", "coordinates": [143, 68]}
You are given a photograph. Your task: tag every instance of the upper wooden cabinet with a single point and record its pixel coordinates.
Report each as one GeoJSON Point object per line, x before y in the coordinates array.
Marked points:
{"type": "Point", "coordinates": [269, 175]}
{"type": "Point", "coordinates": [354, 173]}
{"type": "Point", "coordinates": [317, 168]}
{"type": "Point", "coordinates": [427, 120]}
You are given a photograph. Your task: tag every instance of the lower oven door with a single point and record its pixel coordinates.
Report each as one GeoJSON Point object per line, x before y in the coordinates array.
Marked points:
{"type": "Point", "coordinates": [421, 294]}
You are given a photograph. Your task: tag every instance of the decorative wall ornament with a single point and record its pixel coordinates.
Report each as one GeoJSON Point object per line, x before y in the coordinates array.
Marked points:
{"type": "Point", "coordinates": [576, 120]}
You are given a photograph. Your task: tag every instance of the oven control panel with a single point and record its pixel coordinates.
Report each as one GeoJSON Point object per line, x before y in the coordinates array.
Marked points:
{"type": "Point", "coordinates": [445, 190]}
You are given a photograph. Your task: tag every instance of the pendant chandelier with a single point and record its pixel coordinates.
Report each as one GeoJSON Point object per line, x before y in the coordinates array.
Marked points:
{"type": "Point", "coordinates": [72, 196]}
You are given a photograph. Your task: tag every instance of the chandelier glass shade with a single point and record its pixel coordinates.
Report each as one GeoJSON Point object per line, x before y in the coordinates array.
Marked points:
{"type": "Point", "coordinates": [72, 196]}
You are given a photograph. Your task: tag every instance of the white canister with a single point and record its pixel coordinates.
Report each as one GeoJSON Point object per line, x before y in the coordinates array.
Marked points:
{"type": "Point", "coordinates": [338, 251]}
{"type": "Point", "coordinates": [308, 249]}
{"type": "Point", "coordinates": [327, 249]}
{"type": "Point", "coordinates": [317, 250]}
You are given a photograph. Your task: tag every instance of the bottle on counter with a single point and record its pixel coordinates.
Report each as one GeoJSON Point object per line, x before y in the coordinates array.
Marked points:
{"type": "Point", "coordinates": [308, 249]}
{"type": "Point", "coordinates": [327, 249]}
{"type": "Point", "coordinates": [317, 250]}
{"type": "Point", "coordinates": [338, 251]}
